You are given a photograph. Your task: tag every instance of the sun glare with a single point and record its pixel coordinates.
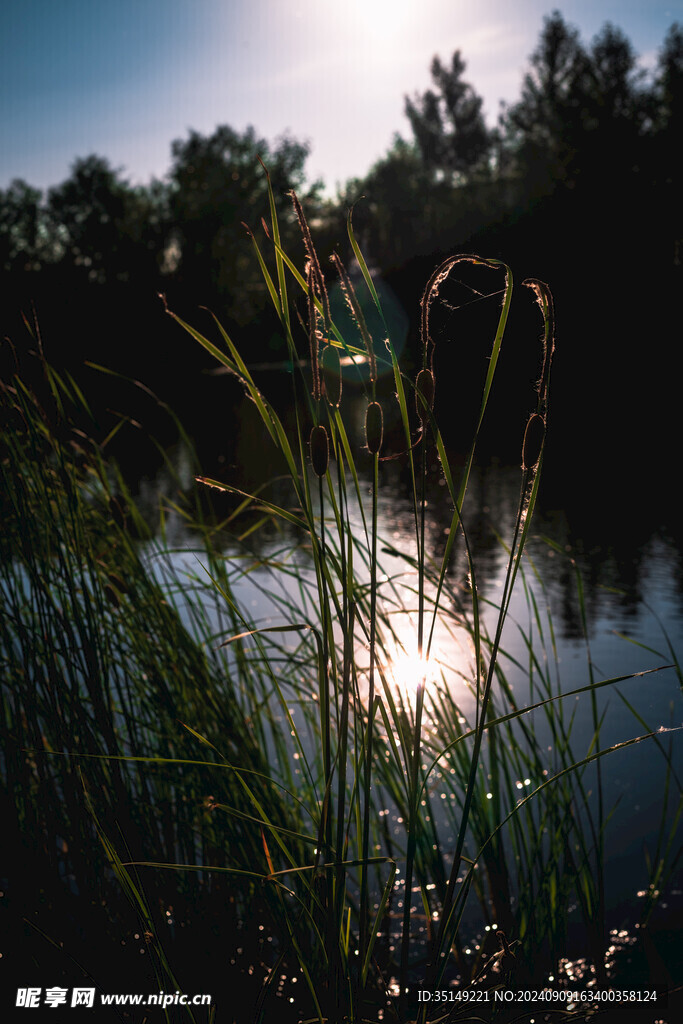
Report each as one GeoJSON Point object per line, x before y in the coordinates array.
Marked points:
{"type": "Point", "coordinates": [407, 670]}
{"type": "Point", "coordinates": [448, 667]}
{"type": "Point", "coordinates": [380, 18]}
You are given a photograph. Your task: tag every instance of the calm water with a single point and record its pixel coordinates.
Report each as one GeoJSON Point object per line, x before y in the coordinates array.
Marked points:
{"type": "Point", "coordinates": [630, 566]}
{"type": "Point", "coordinates": [628, 627]}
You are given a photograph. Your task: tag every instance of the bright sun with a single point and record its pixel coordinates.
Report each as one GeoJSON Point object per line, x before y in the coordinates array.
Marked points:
{"type": "Point", "coordinates": [379, 18]}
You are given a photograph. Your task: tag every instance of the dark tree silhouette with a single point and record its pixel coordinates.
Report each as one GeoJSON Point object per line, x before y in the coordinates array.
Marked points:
{"type": "Point", "coordinates": [582, 114]}
{"type": "Point", "coordinates": [101, 226]}
{"type": "Point", "coordinates": [669, 84]}
{"type": "Point", "coordinates": [616, 112]}
{"type": "Point", "coordinates": [668, 129]}
{"type": "Point", "coordinates": [581, 182]}
{"type": "Point", "coordinates": [448, 124]}
{"type": "Point", "coordinates": [400, 207]}
{"type": "Point", "coordinates": [614, 80]}
{"type": "Point", "coordinates": [542, 130]}
{"type": "Point", "coordinates": [218, 183]}
{"type": "Point", "coordinates": [22, 228]}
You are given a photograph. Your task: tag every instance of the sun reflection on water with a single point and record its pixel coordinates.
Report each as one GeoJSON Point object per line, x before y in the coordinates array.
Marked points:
{"type": "Point", "coordinates": [406, 671]}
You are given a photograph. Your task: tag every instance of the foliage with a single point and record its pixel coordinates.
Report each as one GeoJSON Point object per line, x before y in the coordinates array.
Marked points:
{"type": "Point", "coordinates": [449, 125]}
{"type": "Point", "coordinates": [21, 227]}
{"type": "Point", "coordinates": [589, 128]}
{"type": "Point", "coordinates": [103, 227]}
{"type": "Point", "coordinates": [364, 739]}
{"type": "Point", "coordinates": [582, 111]}
{"type": "Point", "coordinates": [669, 81]}
{"type": "Point", "coordinates": [109, 669]}
{"type": "Point", "coordinates": [138, 751]}
{"type": "Point", "coordinates": [233, 776]}
{"type": "Point", "coordinates": [400, 180]}
{"type": "Point", "coordinates": [216, 188]}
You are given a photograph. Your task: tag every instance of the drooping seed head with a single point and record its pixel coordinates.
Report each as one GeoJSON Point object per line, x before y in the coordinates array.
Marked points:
{"type": "Point", "coordinates": [320, 450]}
{"type": "Point", "coordinates": [332, 377]}
{"type": "Point", "coordinates": [374, 427]}
{"type": "Point", "coordinates": [424, 394]}
{"type": "Point", "coordinates": [533, 441]}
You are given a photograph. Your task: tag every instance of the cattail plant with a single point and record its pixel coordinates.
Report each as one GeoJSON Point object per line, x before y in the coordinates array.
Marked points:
{"type": "Point", "coordinates": [329, 874]}
{"type": "Point", "coordinates": [534, 436]}
{"type": "Point", "coordinates": [424, 395]}
{"type": "Point", "coordinates": [374, 427]}
{"type": "Point", "coordinates": [320, 450]}
{"type": "Point", "coordinates": [318, 300]}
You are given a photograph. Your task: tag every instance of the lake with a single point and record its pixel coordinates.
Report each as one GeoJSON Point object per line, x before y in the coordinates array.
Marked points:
{"type": "Point", "coordinates": [630, 581]}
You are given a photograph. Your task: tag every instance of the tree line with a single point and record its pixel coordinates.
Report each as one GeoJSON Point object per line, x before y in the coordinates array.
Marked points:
{"type": "Point", "coordinates": [579, 182]}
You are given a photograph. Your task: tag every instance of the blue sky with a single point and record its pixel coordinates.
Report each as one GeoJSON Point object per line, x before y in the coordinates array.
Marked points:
{"type": "Point", "coordinates": [123, 78]}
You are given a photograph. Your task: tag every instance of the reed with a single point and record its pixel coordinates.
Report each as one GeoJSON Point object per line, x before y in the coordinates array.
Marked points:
{"type": "Point", "coordinates": [107, 646]}
{"type": "Point", "coordinates": [195, 751]}
{"type": "Point", "coordinates": [377, 741]}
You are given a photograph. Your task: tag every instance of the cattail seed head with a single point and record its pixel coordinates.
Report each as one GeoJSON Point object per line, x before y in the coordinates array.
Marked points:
{"type": "Point", "coordinates": [332, 377]}
{"type": "Point", "coordinates": [320, 450]}
{"type": "Point", "coordinates": [533, 441]}
{"type": "Point", "coordinates": [374, 427]}
{"type": "Point", "coordinates": [424, 394]}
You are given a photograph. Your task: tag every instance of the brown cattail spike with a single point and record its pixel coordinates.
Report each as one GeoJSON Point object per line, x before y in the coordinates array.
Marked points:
{"type": "Point", "coordinates": [320, 450]}
{"type": "Point", "coordinates": [424, 395]}
{"type": "Point", "coordinates": [533, 441]}
{"type": "Point", "coordinates": [374, 427]}
{"type": "Point", "coordinates": [332, 377]}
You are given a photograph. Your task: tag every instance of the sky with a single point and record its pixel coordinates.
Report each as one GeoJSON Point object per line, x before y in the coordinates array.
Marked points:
{"type": "Point", "coordinates": [123, 78]}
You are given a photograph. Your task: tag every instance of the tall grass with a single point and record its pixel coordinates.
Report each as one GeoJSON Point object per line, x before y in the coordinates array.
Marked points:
{"type": "Point", "coordinates": [367, 740]}
{"type": "Point", "coordinates": [253, 767]}
{"type": "Point", "coordinates": [109, 672]}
